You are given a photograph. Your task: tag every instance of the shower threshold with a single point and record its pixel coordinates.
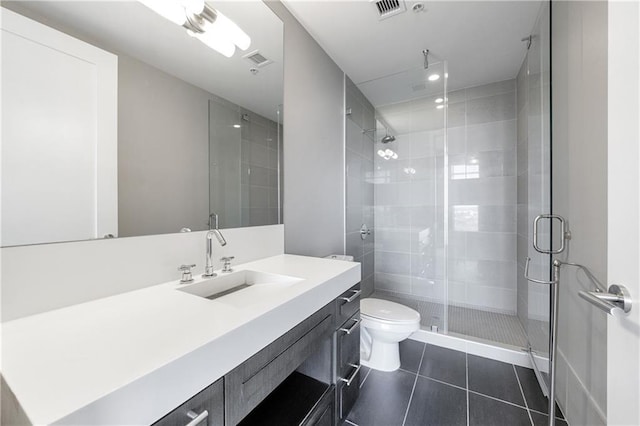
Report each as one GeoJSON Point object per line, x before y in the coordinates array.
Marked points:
{"type": "Point", "coordinates": [464, 322]}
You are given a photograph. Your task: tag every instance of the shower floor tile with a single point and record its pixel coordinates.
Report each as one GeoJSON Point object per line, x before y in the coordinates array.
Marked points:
{"type": "Point", "coordinates": [404, 398]}
{"type": "Point", "coordinates": [495, 327]}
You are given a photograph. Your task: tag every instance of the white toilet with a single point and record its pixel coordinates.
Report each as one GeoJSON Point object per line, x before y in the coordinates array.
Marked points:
{"type": "Point", "coordinates": [384, 325]}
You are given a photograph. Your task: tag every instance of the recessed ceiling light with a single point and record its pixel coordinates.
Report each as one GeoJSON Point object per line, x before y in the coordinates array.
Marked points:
{"type": "Point", "coordinates": [439, 100]}
{"type": "Point", "coordinates": [434, 77]}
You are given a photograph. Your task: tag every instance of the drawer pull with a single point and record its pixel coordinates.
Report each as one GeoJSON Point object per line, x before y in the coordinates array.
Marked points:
{"type": "Point", "coordinates": [349, 330]}
{"type": "Point", "coordinates": [353, 375]}
{"type": "Point", "coordinates": [356, 293]}
{"type": "Point", "coordinates": [197, 419]}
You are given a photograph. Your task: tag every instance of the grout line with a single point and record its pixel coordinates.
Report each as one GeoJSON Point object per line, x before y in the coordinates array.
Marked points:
{"type": "Point", "coordinates": [466, 369]}
{"type": "Point", "coordinates": [545, 414]}
{"type": "Point", "coordinates": [415, 382]}
{"type": "Point", "coordinates": [497, 399]}
{"type": "Point", "coordinates": [365, 378]}
{"type": "Point", "coordinates": [524, 398]}
{"type": "Point", "coordinates": [441, 382]}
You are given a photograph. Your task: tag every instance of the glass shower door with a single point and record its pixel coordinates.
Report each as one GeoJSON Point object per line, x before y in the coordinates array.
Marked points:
{"type": "Point", "coordinates": [537, 85]}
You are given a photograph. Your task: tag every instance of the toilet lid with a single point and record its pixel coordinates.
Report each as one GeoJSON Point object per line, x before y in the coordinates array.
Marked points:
{"type": "Point", "coordinates": [385, 310]}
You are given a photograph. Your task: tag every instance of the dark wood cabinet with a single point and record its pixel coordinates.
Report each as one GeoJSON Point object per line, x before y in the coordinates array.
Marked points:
{"type": "Point", "coordinates": [347, 349]}
{"type": "Point", "coordinates": [307, 377]}
{"type": "Point", "coordinates": [206, 408]}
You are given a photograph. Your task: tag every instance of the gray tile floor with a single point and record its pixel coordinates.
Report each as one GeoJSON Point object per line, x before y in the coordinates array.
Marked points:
{"type": "Point", "coordinates": [484, 325]}
{"type": "Point", "coordinates": [439, 386]}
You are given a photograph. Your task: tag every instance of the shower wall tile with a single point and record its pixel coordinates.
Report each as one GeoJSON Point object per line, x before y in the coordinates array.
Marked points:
{"type": "Point", "coordinates": [495, 136]}
{"type": "Point", "coordinates": [457, 114]}
{"type": "Point", "coordinates": [393, 239]}
{"type": "Point", "coordinates": [390, 282]}
{"type": "Point", "coordinates": [491, 191]}
{"type": "Point", "coordinates": [457, 96]}
{"type": "Point", "coordinates": [353, 244]}
{"type": "Point", "coordinates": [367, 264]}
{"type": "Point", "coordinates": [492, 108]}
{"type": "Point", "coordinates": [492, 89]}
{"type": "Point", "coordinates": [456, 140]}
{"type": "Point", "coordinates": [491, 246]}
{"type": "Point", "coordinates": [354, 139]}
{"type": "Point", "coordinates": [393, 263]}
{"type": "Point", "coordinates": [491, 298]}
{"type": "Point", "coordinates": [457, 292]}
{"type": "Point", "coordinates": [430, 289]}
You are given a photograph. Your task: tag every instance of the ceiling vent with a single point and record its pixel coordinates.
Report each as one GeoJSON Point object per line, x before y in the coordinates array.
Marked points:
{"type": "Point", "coordinates": [257, 59]}
{"type": "Point", "coordinates": [389, 8]}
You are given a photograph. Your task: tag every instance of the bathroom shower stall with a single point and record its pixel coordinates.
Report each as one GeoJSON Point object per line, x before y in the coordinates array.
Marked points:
{"type": "Point", "coordinates": [441, 217]}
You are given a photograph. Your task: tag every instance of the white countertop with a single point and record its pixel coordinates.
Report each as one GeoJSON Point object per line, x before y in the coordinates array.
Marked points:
{"type": "Point", "coordinates": [133, 357]}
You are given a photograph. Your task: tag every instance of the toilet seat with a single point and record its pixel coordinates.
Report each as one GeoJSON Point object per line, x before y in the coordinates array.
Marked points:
{"type": "Point", "coordinates": [388, 312]}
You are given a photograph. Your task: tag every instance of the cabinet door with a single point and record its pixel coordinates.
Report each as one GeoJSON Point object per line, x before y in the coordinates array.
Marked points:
{"type": "Point", "coordinates": [204, 409]}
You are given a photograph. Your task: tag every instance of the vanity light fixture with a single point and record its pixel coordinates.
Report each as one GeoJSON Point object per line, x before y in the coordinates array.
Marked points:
{"type": "Point", "coordinates": [204, 23]}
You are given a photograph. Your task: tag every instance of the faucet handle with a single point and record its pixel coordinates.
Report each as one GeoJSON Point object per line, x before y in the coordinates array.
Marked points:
{"type": "Point", "coordinates": [227, 263]}
{"type": "Point", "coordinates": [186, 273]}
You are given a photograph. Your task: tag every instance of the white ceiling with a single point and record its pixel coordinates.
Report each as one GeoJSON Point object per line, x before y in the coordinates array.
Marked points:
{"type": "Point", "coordinates": [479, 40]}
{"type": "Point", "coordinates": [129, 27]}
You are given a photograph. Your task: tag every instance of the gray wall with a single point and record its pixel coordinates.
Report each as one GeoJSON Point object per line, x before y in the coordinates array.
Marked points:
{"type": "Point", "coordinates": [163, 151]}
{"type": "Point", "coordinates": [579, 76]}
{"type": "Point", "coordinates": [314, 186]}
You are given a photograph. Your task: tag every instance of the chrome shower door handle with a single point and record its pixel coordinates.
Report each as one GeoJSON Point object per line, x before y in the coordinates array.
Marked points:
{"type": "Point", "coordinates": [564, 234]}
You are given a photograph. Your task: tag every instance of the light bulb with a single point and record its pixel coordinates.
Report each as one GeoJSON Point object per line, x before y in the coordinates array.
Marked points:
{"type": "Point", "coordinates": [214, 41]}
{"type": "Point", "coordinates": [381, 153]}
{"type": "Point", "coordinates": [439, 100]}
{"type": "Point", "coordinates": [226, 28]}
{"type": "Point", "coordinates": [440, 106]}
{"type": "Point", "coordinates": [171, 10]}
{"type": "Point", "coordinates": [193, 6]}
{"type": "Point", "coordinates": [434, 77]}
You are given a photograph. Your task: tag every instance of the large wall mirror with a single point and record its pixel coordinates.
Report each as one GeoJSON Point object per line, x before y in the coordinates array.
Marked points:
{"type": "Point", "coordinates": [133, 118]}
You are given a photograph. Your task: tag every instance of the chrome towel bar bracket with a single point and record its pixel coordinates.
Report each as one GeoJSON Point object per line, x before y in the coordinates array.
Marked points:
{"type": "Point", "coordinates": [616, 301]}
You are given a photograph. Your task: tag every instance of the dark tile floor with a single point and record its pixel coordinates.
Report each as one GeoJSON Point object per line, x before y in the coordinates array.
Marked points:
{"type": "Point", "coordinates": [442, 387]}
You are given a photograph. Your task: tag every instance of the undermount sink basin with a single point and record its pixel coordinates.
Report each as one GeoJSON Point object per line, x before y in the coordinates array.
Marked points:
{"type": "Point", "coordinates": [235, 287]}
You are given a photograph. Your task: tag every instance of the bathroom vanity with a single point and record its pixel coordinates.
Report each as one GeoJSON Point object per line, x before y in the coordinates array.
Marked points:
{"type": "Point", "coordinates": [271, 353]}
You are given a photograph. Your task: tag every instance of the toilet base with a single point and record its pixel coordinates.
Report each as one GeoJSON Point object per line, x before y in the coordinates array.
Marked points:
{"type": "Point", "coordinates": [384, 356]}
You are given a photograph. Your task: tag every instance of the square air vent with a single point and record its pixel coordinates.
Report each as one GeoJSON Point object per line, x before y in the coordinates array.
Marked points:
{"type": "Point", "coordinates": [389, 8]}
{"type": "Point", "coordinates": [257, 59]}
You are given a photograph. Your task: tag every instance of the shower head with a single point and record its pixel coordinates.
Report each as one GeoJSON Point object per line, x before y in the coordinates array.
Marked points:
{"type": "Point", "coordinates": [388, 138]}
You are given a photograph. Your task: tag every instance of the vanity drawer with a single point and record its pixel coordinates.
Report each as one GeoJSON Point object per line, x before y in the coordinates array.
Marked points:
{"type": "Point", "coordinates": [209, 401]}
{"type": "Point", "coordinates": [248, 384]}
{"type": "Point", "coordinates": [348, 303]}
{"type": "Point", "coordinates": [348, 393]}
{"type": "Point", "coordinates": [348, 345]}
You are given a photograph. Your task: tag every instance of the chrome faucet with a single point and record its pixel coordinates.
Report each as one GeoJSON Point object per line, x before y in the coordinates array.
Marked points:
{"type": "Point", "coordinates": [213, 231]}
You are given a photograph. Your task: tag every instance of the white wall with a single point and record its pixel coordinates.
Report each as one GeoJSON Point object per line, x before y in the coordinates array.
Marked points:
{"type": "Point", "coordinates": [40, 278]}
{"type": "Point", "coordinates": [579, 179]}
{"type": "Point", "coordinates": [314, 187]}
